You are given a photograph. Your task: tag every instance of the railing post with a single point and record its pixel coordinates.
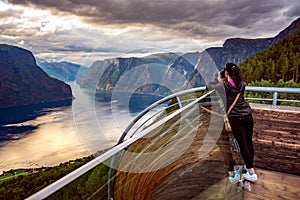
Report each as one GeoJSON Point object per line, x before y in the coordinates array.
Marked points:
{"type": "Point", "coordinates": [274, 105]}
{"type": "Point", "coordinates": [179, 102]}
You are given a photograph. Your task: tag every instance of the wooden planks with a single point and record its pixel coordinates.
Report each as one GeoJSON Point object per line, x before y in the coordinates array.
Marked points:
{"type": "Point", "coordinates": [189, 177]}
{"type": "Point", "coordinates": [274, 185]}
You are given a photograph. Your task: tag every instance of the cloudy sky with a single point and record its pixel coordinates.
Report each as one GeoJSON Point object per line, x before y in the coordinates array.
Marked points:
{"type": "Point", "coordinates": [83, 31]}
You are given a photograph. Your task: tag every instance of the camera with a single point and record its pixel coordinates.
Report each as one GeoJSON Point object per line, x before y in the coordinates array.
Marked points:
{"type": "Point", "coordinates": [222, 74]}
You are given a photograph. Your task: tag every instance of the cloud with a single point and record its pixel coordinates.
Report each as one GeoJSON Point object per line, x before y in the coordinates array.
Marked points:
{"type": "Point", "coordinates": [48, 35]}
{"type": "Point", "coordinates": [106, 25]}
{"type": "Point", "coordinates": [198, 15]}
{"type": "Point", "coordinates": [293, 10]}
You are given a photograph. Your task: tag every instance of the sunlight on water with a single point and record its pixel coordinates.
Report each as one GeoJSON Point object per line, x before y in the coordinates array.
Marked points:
{"type": "Point", "coordinates": [56, 135]}
{"type": "Point", "coordinates": [54, 141]}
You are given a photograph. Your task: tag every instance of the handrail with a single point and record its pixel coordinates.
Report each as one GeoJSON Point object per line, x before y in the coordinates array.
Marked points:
{"type": "Point", "coordinates": [47, 191]}
{"type": "Point", "coordinates": [156, 104]}
{"type": "Point", "coordinates": [275, 91]}
{"type": "Point", "coordinates": [124, 143]}
{"type": "Point", "coordinates": [272, 89]}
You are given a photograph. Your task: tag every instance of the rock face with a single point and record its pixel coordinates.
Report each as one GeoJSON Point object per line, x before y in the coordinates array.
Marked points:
{"type": "Point", "coordinates": [134, 74]}
{"type": "Point", "coordinates": [105, 75]}
{"type": "Point", "coordinates": [238, 49]}
{"type": "Point", "coordinates": [64, 71]}
{"type": "Point", "coordinates": [155, 74]}
{"type": "Point", "coordinates": [22, 82]}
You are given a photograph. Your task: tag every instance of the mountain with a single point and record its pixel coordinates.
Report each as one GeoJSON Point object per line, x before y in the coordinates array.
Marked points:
{"type": "Point", "coordinates": [174, 71]}
{"type": "Point", "coordinates": [238, 49]}
{"type": "Point", "coordinates": [90, 77]}
{"type": "Point", "coordinates": [277, 64]}
{"type": "Point", "coordinates": [295, 26]}
{"type": "Point", "coordinates": [64, 71]}
{"type": "Point", "coordinates": [22, 82]}
{"type": "Point", "coordinates": [141, 74]}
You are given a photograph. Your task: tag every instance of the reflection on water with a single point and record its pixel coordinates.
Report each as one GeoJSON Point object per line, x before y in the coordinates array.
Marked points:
{"type": "Point", "coordinates": [44, 140]}
{"type": "Point", "coordinates": [37, 136]}
{"type": "Point", "coordinates": [102, 117]}
{"type": "Point", "coordinates": [13, 121]}
{"type": "Point", "coordinates": [14, 131]}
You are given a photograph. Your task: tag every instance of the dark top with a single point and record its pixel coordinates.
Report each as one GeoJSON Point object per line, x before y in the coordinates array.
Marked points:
{"type": "Point", "coordinates": [242, 107]}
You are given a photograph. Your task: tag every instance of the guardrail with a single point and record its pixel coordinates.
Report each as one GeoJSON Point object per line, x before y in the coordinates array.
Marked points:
{"type": "Point", "coordinates": [125, 143]}
{"type": "Point", "coordinates": [156, 104]}
{"type": "Point", "coordinates": [275, 91]}
{"type": "Point", "coordinates": [47, 191]}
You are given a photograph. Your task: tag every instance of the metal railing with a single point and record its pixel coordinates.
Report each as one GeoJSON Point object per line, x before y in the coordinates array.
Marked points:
{"type": "Point", "coordinates": [275, 91]}
{"type": "Point", "coordinates": [157, 104]}
{"type": "Point", "coordinates": [47, 191]}
{"type": "Point", "coordinates": [122, 143]}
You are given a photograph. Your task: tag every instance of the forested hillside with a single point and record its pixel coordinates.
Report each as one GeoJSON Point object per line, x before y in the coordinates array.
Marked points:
{"type": "Point", "coordinates": [21, 183]}
{"type": "Point", "coordinates": [280, 62]}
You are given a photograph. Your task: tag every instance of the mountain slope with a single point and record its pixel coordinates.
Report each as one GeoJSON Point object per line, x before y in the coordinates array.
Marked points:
{"type": "Point", "coordinates": [170, 69]}
{"type": "Point", "coordinates": [238, 49]}
{"type": "Point", "coordinates": [64, 71]}
{"type": "Point", "coordinates": [22, 82]}
{"type": "Point", "coordinates": [278, 62]}
{"type": "Point", "coordinates": [126, 73]}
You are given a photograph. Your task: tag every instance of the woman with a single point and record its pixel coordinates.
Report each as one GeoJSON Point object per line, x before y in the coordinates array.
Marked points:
{"type": "Point", "coordinates": [240, 118]}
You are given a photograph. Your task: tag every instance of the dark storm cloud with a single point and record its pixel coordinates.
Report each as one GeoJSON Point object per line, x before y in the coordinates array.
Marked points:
{"type": "Point", "coordinates": [195, 18]}
{"type": "Point", "coordinates": [293, 10]}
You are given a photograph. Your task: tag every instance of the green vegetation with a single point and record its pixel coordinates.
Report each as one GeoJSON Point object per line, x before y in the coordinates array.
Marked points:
{"type": "Point", "coordinates": [13, 174]}
{"type": "Point", "coordinates": [21, 183]}
{"type": "Point", "coordinates": [277, 66]}
{"type": "Point", "coordinates": [92, 185]}
{"type": "Point", "coordinates": [278, 62]}
{"type": "Point", "coordinates": [269, 95]}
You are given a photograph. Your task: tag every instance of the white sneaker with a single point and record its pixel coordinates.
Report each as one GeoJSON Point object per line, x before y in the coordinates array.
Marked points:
{"type": "Point", "coordinates": [239, 169]}
{"type": "Point", "coordinates": [235, 178]}
{"type": "Point", "coordinates": [249, 177]}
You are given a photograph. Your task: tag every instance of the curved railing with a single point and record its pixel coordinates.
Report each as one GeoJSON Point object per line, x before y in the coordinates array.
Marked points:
{"type": "Point", "coordinates": [122, 144]}
{"type": "Point", "coordinates": [274, 90]}
{"type": "Point", "coordinates": [157, 104]}
{"type": "Point", "coordinates": [141, 130]}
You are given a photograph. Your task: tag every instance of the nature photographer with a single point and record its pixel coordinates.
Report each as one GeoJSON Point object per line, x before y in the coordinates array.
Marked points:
{"type": "Point", "coordinates": [231, 87]}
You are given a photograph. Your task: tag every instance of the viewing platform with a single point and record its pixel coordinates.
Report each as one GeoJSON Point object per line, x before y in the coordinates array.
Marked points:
{"type": "Point", "coordinates": [183, 153]}
{"type": "Point", "coordinates": [277, 152]}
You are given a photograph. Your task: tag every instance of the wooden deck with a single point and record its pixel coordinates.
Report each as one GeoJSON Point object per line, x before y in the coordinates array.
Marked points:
{"type": "Point", "coordinates": [274, 185]}
{"type": "Point", "coordinates": [191, 177]}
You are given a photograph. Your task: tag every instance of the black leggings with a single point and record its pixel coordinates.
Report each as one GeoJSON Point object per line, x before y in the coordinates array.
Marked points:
{"type": "Point", "coordinates": [242, 128]}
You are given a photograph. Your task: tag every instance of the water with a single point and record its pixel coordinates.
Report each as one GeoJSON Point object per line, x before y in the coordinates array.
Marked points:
{"type": "Point", "coordinates": [42, 135]}
{"type": "Point", "coordinates": [52, 139]}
